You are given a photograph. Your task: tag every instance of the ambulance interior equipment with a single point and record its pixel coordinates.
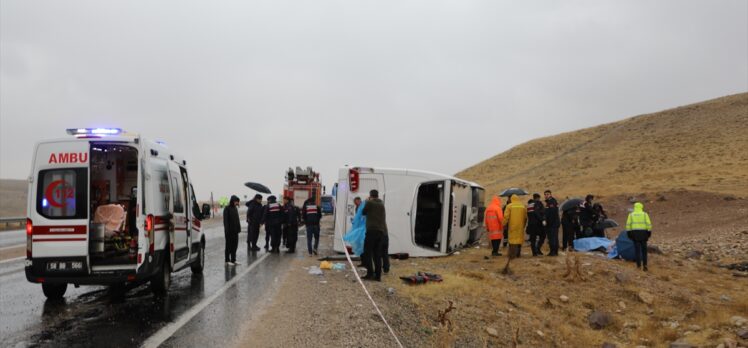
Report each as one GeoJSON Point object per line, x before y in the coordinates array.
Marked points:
{"type": "Point", "coordinates": [113, 233]}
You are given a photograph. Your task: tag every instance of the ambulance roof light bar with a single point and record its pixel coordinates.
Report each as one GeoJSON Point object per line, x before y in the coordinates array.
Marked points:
{"type": "Point", "coordinates": [93, 132]}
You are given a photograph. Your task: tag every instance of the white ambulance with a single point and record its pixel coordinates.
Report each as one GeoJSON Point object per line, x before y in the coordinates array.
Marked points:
{"type": "Point", "coordinates": [428, 214]}
{"type": "Point", "coordinates": [109, 207]}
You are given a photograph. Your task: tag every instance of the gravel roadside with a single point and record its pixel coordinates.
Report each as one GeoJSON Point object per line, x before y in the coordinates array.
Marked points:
{"type": "Point", "coordinates": [329, 310]}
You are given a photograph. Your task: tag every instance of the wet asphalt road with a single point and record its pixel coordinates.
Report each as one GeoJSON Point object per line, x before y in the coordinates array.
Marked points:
{"type": "Point", "coordinates": [92, 316]}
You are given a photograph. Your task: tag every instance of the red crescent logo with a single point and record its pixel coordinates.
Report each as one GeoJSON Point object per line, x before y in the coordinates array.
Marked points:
{"type": "Point", "coordinates": [49, 193]}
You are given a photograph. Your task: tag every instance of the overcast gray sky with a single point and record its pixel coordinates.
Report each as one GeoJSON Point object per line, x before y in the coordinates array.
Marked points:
{"type": "Point", "coordinates": [245, 89]}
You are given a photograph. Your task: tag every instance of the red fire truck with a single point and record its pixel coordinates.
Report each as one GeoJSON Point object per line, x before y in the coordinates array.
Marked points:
{"type": "Point", "coordinates": [301, 184]}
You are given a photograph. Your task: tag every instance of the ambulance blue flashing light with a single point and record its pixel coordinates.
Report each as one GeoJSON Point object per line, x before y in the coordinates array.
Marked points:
{"type": "Point", "coordinates": [82, 132]}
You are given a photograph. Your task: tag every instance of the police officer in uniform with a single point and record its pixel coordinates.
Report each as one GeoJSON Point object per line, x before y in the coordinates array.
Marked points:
{"type": "Point", "coordinates": [254, 218]}
{"type": "Point", "coordinates": [311, 214]}
{"type": "Point", "coordinates": [291, 224]}
{"type": "Point", "coordinates": [535, 228]}
{"type": "Point", "coordinates": [272, 217]}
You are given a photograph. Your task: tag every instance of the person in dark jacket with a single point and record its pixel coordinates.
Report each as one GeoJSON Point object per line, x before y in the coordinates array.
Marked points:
{"type": "Point", "coordinates": [600, 217]}
{"type": "Point", "coordinates": [272, 218]}
{"type": "Point", "coordinates": [231, 228]}
{"type": "Point", "coordinates": [291, 224]}
{"type": "Point", "coordinates": [587, 216]}
{"type": "Point", "coordinates": [571, 228]}
{"type": "Point", "coordinates": [311, 214]}
{"type": "Point", "coordinates": [254, 218]}
{"type": "Point", "coordinates": [552, 222]}
{"type": "Point", "coordinates": [376, 229]}
{"type": "Point", "coordinates": [535, 228]}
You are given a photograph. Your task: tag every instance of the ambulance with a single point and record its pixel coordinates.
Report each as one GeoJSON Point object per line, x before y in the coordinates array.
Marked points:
{"type": "Point", "coordinates": [110, 207]}
{"type": "Point", "coordinates": [428, 214]}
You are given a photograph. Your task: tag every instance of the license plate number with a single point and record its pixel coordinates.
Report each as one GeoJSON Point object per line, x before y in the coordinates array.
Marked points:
{"type": "Point", "coordinates": [64, 265]}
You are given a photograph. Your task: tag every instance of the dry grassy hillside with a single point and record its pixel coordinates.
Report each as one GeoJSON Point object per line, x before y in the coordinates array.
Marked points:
{"type": "Point", "coordinates": [13, 197]}
{"type": "Point", "coordinates": [700, 147]}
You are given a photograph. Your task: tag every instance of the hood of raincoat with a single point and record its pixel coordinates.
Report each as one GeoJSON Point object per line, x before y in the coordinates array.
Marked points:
{"type": "Point", "coordinates": [496, 201]}
{"type": "Point", "coordinates": [515, 199]}
{"type": "Point", "coordinates": [638, 207]}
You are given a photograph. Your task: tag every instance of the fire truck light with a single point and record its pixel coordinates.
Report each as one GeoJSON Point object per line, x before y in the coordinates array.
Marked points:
{"type": "Point", "coordinates": [44, 203]}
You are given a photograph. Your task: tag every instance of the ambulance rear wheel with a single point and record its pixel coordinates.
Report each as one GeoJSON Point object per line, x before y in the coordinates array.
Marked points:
{"type": "Point", "coordinates": [161, 281]}
{"type": "Point", "coordinates": [54, 291]}
{"type": "Point", "coordinates": [199, 264]}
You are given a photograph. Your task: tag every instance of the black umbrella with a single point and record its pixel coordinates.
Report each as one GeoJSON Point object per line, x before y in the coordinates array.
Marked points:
{"type": "Point", "coordinates": [571, 204]}
{"type": "Point", "coordinates": [513, 191]}
{"type": "Point", "coordinates": [607, 223]}
{"type": "Point", "coordinates": [258, 187]}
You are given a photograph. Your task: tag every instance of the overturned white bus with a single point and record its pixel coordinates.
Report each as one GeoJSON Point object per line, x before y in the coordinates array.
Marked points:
{"type": "Point", "coordinates": [428, 214]}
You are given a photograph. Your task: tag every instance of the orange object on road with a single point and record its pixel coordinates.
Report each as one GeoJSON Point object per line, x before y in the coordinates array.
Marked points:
{"type": "Point", "coordinates": [495, 220]}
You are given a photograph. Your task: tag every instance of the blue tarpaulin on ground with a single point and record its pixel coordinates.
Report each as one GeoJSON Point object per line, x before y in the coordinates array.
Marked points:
{"type": "Point", "coordinates": [592, 243]}
{"type": "Point", "coordinates": [624, 248]}
{"type": "Point", "coordinates": [355, 237]}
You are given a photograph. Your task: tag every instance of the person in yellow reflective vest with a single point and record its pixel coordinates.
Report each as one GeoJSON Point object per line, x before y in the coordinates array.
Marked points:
{"type": "Point", "coordinates": [639, 228]}
{"type": "Point", "coordinates": [515, 216]}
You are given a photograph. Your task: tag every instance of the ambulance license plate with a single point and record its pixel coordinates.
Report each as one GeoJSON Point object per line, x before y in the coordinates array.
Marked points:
{"type": "Point", "coordinates": [64, 265]}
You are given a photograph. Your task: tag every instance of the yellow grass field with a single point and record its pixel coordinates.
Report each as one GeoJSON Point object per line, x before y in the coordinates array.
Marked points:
{"type": "Point", "coordinates": [699, 147]}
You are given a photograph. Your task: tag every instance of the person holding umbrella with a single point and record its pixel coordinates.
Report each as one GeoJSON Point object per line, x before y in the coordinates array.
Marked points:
{"type": "Point", "coordinates": [515, 216]}
{"type": "Point", "coordinates": [494, 220]}
{"type": "Point", "coordinates": [254, 217]}
{"type": "Point", "coordinates": [639, 227]}
{"type": "Point", "coordinates": [571, 227]}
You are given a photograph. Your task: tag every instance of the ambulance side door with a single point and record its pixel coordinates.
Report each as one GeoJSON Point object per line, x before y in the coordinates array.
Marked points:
{"type": "Point", "coordinates": [179, 223]}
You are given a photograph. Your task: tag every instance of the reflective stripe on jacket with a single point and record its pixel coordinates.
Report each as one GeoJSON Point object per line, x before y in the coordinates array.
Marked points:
{"type": "Point", "coordinates": [638, 219]}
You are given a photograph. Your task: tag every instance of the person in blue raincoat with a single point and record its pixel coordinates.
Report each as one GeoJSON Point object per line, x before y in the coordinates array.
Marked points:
{"type": "Point", "coordinates": [355, 237]}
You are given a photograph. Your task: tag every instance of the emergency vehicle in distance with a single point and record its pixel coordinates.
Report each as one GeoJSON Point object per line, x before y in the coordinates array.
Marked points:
{"type": "Point", "coordinates": [301, 185]}
{"type": "Point", "coordinates": [428, 214]}
{"type": "Point", "coordinates": [108, 207]}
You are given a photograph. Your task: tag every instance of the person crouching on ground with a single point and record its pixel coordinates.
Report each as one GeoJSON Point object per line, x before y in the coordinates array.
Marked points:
{"type": "Point", "coordinates": [376, 228]}
{"type": "Point", "coordinates": [515, 216]}
{"type": "Point", "coordinates": [639, 228]}
{"type": "Point", "coordinates": [231, 229]}
{"type": "Point", "coordinates": [494, 220]}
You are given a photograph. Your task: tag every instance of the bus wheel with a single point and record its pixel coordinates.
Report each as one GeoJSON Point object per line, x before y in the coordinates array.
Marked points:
{"type": "Point", "coordinates": [54, 291]}
{"type": "Point", "coordinates": [161, 281]}
{"type": "Point", "coordinates": [199, 264]}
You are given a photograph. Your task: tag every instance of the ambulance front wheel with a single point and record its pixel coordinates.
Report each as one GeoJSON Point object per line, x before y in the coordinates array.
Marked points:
{"type": "Point", "coordinates": [54, 291]}
{"type": "Point", "coordinates": [161, 281]}
{"type": "Point", "coordinates": [199, 264]}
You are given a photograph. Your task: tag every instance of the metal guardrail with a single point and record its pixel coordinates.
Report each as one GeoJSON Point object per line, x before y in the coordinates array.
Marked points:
{"type": "Point", "coordinates": [7, 221]}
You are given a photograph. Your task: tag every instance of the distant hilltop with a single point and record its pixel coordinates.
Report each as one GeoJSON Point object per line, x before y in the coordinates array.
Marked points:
{"type": "Point", "coordinates": [697, 147]}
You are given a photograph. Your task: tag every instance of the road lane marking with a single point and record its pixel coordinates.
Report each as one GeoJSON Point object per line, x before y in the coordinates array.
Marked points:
{"type": "Point", "coordinates": [14, 246]}
{"type": "Point", "coordinates": [14, 259]}
{"type": "Point", "coordinates": [169, 330]}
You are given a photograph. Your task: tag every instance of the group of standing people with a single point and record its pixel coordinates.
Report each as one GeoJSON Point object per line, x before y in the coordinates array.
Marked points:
{"type": "Point", "coordinates": [281, 225]}
{"type": "Point", "coordinates": [540, 220]}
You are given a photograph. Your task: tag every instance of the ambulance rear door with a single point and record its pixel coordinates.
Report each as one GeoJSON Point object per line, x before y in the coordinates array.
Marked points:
{"type": "Point", "coordinates": [58, 208]}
